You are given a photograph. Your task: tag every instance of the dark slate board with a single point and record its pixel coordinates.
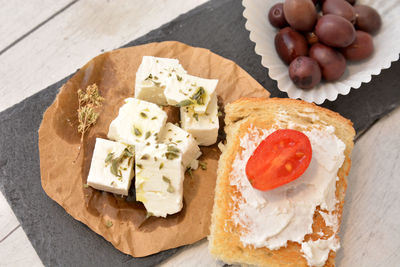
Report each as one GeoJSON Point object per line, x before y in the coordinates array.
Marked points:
{"type": "Point", "coordinates": [217, 25]}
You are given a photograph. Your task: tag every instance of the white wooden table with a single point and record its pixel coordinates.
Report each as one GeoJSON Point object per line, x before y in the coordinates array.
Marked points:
{"type": "Point", "coordinates": [42, 41]}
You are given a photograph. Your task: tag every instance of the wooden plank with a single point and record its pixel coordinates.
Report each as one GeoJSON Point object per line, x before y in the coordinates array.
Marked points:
{"type": "Point", "coordinates": [193, 255]}
{"type": "Point", "coordinates": [8, 221]}
{"type": "Point", "coordinates": [18, 17]}
{"type": "Point", "coordinates": [370, 229]}
{"type": "Point", "coordinates": [74, 37]}
{"type": "Point", "coordinates": [16, 250]}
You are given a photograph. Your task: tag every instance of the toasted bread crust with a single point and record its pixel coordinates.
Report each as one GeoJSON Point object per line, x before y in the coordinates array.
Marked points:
{"type": "Point", "coordinates": [224, 242]}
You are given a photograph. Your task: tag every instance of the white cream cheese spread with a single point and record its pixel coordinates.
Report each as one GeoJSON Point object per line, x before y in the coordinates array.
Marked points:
{"type": "Point", "coordinates": [317, 252]}
{"type": "Point", "coordinates": [272, 218]}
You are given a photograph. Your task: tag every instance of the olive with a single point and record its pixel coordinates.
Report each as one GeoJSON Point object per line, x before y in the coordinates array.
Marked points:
{"type": "Point", "coordinates": [300, 14]}
{"type": "Point", "coordinates": [331, 62]}
{"type": "Point", "coordinates": [304, 72]}
{"type": "Point", "coordinates": [276, 16]}
{"type": "Point", "coordinates": [340, 8]}
{"type": "Point", "coordinates": [290, 44]}
{"type": "Point", "coordinates": [335, 31]}
{"type": "Point", "coordinates": [367, 19]}
{"type": "Point", "coordinates": [361, 48]}
{"type": "Point", "coordinates": [315, 1]}
{"type": "Point", "coordinates": [352, 2]}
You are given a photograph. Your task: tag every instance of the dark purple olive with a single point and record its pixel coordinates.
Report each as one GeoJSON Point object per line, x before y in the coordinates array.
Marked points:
{"type": "Point", "coordinates": [352, 2]}
{"type": "Point", "coordinates": [290, 44]}
{"type": "Point", "coordinates": [300, 14]}
{"type": "Point", "coordinates": [305, 72]}
{"type": "Point", "coordinates": [367, 19]}
{"type": "Point", "coordinates": [361, 48]}
{"type": "Point", "coordinates": [340, 8]}
{"type": "Point", "coordinates": [331, 62]}
{"type": "Point", "coordinates": [276, 16]}
{"type": "Point", "coordinates": [335, 31]}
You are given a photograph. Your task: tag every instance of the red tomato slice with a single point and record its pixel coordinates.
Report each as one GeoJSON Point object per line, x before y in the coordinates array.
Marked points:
{"type": "Point", "coordinates": [279, 159]}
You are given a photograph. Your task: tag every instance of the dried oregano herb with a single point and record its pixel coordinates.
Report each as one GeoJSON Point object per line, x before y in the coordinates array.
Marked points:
{"type": "Point", "coordinates": [116, 162]}
{"type": "Point", "coordinates": [170, 188]}
{"type": "Point", "coordinates": [89, 101]}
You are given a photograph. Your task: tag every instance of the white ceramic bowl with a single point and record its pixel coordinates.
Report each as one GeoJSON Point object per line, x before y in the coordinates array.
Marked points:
{"type": "Point", "coordinates": [386, 42]}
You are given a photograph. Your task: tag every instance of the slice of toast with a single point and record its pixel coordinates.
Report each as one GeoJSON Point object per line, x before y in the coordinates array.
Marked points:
{"type": "Point", "coordinates": [224, 239]}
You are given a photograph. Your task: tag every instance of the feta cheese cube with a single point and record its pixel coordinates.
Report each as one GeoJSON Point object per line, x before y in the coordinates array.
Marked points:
{"type": "Point", "coordinates": [137, 122]}
{"type": "Point", "coordinates": [111, 169]}
{"type": "Point", "coordinates": [204, 127]}
{"type": "Point", "coordinates": [152, 76]}
{"type": "Point", "coordinates": [174, 135]}
{"type": "Point", "coordinates": [159, 178]}
{"type": "Point", "coordinates": [191, 88]}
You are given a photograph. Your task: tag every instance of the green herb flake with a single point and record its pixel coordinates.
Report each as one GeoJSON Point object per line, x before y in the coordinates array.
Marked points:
{"type": "Point", "coordinates": [189, 171]}
{"type": "Point", "coordinates": [140, 166]}
{"type": "Point", "coordinates": [170, 188]}
{"type": "Point", "coordinates": [199, 96]}
{"type": "Point", "coordinates": [85, 185]}
{"type": "Point", "coordinates": [148, 143]}
{"type": "Point", "coordinates": [171, 155]}
{"type": "Point", "coordinates": [143, 115]}
{"type": "Point", "coordinates": [161, 165]}
{"type": "Point", "coordinates": [155, 159]}
{"type": "Point", "coordinates": [219, 114]}
{"type": "Point", "coordinates": [148, 134]}
{"type": "Point", "coordinates": [179, 78]}
{"type": "Point", "coordinates": [136, 131]}
{"type": "Point", "coordinates": [196, 116]}
{"type": "Point", "coordinates": [173, 149]}
{"type": "Point", "coordinates": [109, 224]}
{"type": "Point", "coordinates": [155, 78]}
{"type": "Point", "coordinates": [128, 152]}
{"type": "Point", "coordinates": [145, 157]}
{"type": "Point", "coordinates": [114, 167]}
{"type": "Point", "coordinates": [203, 165]}
{"type": "Point", "coordinates": [154, 118]}
{"type": "Point", "coordinates": [184, 103]}
{"type": "Point", "coordinates": [149, 77]}
{"type": "Point", "coordinates": [109, 158]}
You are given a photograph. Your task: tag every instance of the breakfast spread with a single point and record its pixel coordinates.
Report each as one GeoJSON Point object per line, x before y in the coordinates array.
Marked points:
{"type": "Point", "coordinates": [155, 152]}
{"type": "Point", "coordinates": [281, 176]}
{"type": "Point", "coordinates": [281, 182]}
{"type": "Point", "coordinates": [316, 46]}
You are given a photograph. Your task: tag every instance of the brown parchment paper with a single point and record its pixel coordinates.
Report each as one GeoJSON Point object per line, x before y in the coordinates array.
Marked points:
{"type": "Point", "coordinates": [63, 180]}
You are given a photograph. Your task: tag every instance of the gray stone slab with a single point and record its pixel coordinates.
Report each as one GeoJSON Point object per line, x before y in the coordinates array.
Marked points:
{"type": "Point", "coordinates": [217, 25]}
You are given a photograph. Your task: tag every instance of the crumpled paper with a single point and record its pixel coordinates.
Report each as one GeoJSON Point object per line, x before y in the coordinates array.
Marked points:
{"type": "Point", "coordinates": [122, 221]}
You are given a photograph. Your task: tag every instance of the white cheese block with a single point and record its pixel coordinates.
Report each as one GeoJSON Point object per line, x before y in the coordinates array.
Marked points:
{"type": "Point", "coordinates": [175, 135]}
{"type": "Point", "coordinates": [159, 180]}
{"type": "Point", "coordinates": [178, 90]}
{"type": "Point", "coordinates": [137, 122]}
{"type": "Point", "coordinates": [204, 127]}
{"type": "Point", "coordinates": [152, 76]}
{"type": "Point", "coordinates": [101, 175]}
